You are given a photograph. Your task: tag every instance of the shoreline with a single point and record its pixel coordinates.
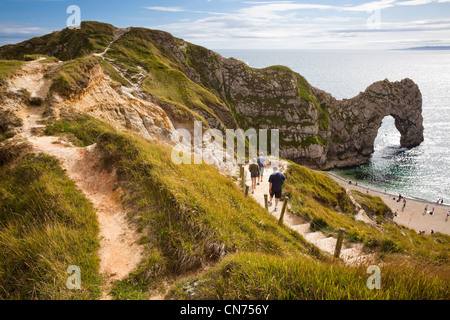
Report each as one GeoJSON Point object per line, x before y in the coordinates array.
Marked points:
{"type": "Point", "coordinates": [413, 216]}
{"type": "Point", "coordinates": [345, 180]}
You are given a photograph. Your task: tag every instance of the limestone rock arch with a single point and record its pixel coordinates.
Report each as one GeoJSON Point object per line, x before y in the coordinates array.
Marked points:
{"type": "Point", "coordinates": [355, 122]}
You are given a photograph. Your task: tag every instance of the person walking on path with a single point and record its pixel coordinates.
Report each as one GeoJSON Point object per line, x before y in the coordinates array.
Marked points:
{"type": "Point", "coordinates": [261, 161]}
{"type": "Point", "coordinates": [276, 181]}
{"type": "Point", "coordinates": [254, 173]}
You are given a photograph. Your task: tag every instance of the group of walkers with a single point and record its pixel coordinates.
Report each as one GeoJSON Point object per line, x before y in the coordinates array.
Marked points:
{"type": "Point", "coordinates": [257, 167]}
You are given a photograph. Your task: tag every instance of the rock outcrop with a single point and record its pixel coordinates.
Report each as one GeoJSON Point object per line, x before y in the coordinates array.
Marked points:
{"type": "Point", "coordinates": [315, 128]}
{"type": "Point", "coordinates": [354, 123]}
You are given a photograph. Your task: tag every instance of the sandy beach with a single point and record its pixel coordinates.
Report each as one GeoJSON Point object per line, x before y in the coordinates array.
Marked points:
{"type": "Point", "coordinates": [414, 215]}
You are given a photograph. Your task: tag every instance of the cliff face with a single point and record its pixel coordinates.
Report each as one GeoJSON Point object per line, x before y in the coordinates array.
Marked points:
{"type": "Point", "coordinates": [315, 129]}
{"type": "Point", "coordinates": [192, 83]}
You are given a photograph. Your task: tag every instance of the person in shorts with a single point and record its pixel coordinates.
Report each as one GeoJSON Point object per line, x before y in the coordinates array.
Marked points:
{"type": "Point", "coordinates": [254, 173]}
{"type": "Point", "coordinates": [276, 181]}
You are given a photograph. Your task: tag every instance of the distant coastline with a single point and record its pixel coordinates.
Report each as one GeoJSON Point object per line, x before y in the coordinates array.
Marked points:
{"type": "Point", "coordinates": [428, 48]}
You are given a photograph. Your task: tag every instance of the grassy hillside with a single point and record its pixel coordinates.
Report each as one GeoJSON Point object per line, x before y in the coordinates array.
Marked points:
{"type": "Point", "coordinates": [67, 44]}
{"type": "Point", "coordinates": [190, 217]}
{"type": "Point", "coordinates": [319, 199]}
{"type": "Point", "coordinates": [248, 276]}
{"type": "Point", "coordinates": [46, 225]}
{"type": "Point", "coordinates": [144, 52]}
{"type": "Point", "coordinates": [72, 77]}
{"type": "Point", "coordinates": [183, 78]}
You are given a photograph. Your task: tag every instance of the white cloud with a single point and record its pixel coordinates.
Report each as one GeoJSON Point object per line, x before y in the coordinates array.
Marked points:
{"type": "Point", "coordinates": [285, 24]}
{"type": "Point", "coordinates": [13, 29]}
{"type": "Point", "coordinates": [168, 9]}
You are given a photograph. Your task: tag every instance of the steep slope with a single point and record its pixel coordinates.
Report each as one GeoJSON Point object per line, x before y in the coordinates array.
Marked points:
{"type": "Point", "coordinates": [190, 82]}
{"type": "Point", "coordinates": [46, 225]}
{"type": "Point", "coordinates": [188, 219]}
{"type": "Point", "coordinates": [311, 227]}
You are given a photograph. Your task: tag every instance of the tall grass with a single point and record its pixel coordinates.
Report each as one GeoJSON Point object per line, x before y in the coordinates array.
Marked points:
{"type": "Point", "coordinates": [249, 276]}
{"type": "Point", "coordinates": [82, 130]}
{"type": "Point", "coordinates": [319, 199]}
{"type": "Point", "coordinates": [46, 225]}
{"type": "Point", "coordinates": [189, 215]}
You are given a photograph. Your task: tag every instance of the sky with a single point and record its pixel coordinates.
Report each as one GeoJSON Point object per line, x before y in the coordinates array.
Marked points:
{"type": "Point", "coordinates": [258, 24]}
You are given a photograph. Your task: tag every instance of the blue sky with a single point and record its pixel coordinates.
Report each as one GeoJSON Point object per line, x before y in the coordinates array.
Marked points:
{"type": "Point", "coordinates": [249, 24]}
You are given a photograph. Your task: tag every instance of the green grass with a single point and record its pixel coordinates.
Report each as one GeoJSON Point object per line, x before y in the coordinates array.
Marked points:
{"type": "Point", "coordinates": [67, 44]}
{"type": "Point", "coordinates": [70, 77]}
{"type": "Point", "coordinates": [109, 70]}
{"type": "Point", "coordinates": [8, 68]}
{"type": "Point", "coordinates": [319, 199]}
{"type": "Point", "coordinates": [45, 58]}
{"type": "Point", "coordinates": [81, 130]}
{"type": "Point", "coordinates": [189, 215]}
{"type": "Point", "coordinates": [374, 206]}
{"type": "Point", "coordinates": [46, 225]}
{"type": "Point", "coordinates": [165, 78]}
{"type": "Point", "coordinates": [266, 277]}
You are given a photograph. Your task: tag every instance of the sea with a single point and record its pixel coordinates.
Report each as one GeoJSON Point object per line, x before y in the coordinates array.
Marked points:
{"type": "Point", "coordinates": [422, 172]}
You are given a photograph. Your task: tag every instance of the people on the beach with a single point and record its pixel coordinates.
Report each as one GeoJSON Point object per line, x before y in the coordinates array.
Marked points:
{"type": "Point", "coordinates": [425, 210]}
{"type": "Point", "coordinates": [276, 181]}
{"type": "Point", "coordinates": [448, 215]}
{"type": "Point", "coordinates": [404, 204]}
{"type": "Point", "coordinates": [431, 213]}
{"type": "Point", "coordinates": [254, 173]}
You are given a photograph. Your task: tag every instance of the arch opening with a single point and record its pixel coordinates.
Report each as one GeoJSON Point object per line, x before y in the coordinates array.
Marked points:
{"type": "Point", "coordinates": [388, 136]}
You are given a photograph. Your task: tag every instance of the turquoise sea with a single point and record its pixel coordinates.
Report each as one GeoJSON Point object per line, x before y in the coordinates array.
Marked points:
{"type": "Point", "coordinates": [422, 172]}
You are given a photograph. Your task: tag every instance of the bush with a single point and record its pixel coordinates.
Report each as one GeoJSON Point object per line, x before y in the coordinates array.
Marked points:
{"type": "Point", "coordinates": [318, 224]}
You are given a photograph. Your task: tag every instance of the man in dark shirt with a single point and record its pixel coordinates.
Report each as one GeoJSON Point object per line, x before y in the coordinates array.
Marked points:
{"type": "Point", "coordinates": [276, 181]}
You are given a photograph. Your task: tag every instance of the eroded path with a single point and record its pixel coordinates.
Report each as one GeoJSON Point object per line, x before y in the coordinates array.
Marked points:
{"type": "Point", "coordinates": [119, 251]}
